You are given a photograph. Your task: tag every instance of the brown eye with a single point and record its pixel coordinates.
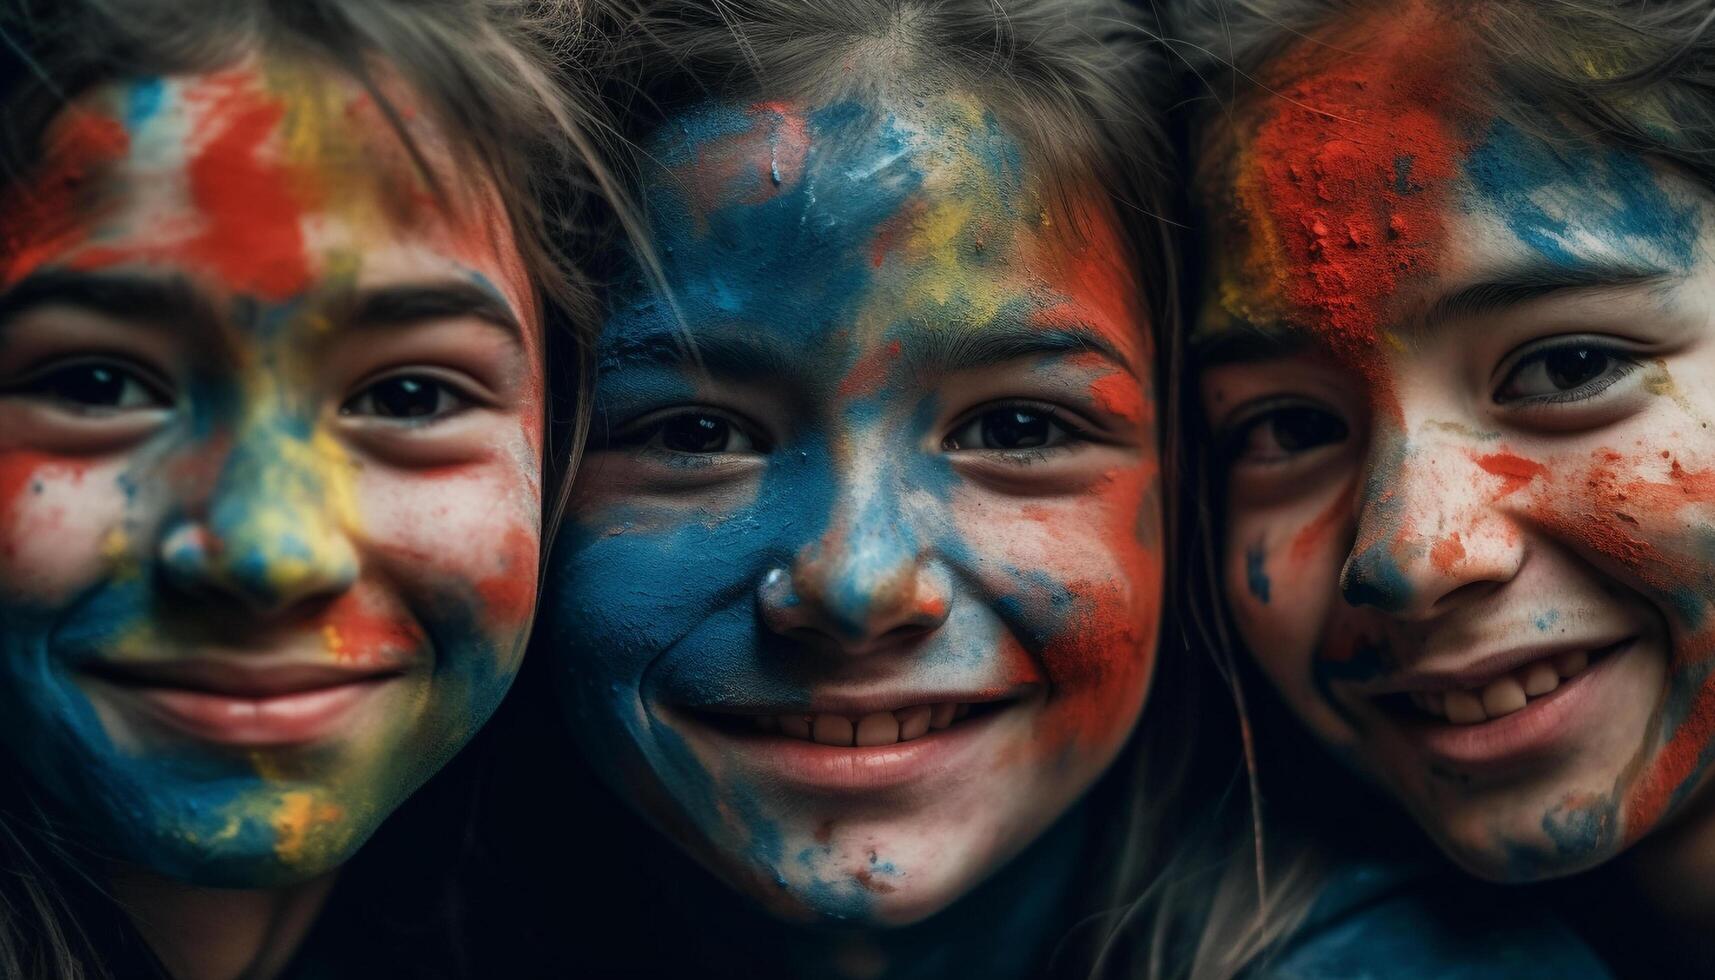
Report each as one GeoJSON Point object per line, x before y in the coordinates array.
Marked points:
{"type": "Point", "coordinates": [696, 433]}
{"type": "Point", "coordinates": [1010, 428]}
{"type": "Point", "coordinates": [1571, 372]}
{"type": "Point", "coordinates": [96, 385]}
{"type": "Point", "coordinates": [406, 397]}
{"type": "Point", "coordinates": [1288, 431]}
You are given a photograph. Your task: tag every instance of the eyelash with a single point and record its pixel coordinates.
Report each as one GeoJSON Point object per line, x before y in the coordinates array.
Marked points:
{"type": "Point", "coordinates": [1622, 364]}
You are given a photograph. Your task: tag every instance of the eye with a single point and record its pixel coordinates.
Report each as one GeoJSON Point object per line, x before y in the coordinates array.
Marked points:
{"type": "Point", "coordinates": [694, 432]}
{"type": "Point", "coordinates": [1011, 428]}
{"type": "Point", "coordinates": [1564, 373]}
{"type": "Point", "coordinates": [1279, 434]}
{"type": "Point", "coordinates": [97, 386]}
{"type": "Point", "coordinates": [407, 397]}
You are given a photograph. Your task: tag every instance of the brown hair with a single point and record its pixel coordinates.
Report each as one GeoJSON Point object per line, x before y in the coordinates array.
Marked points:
{"type": "Point", "coordinates": [502, 78]}
{"type": "Point", "coordinates": [1634, 73]}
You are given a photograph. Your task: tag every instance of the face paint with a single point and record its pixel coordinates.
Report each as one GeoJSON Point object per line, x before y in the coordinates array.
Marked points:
{"type": "Point", "coordinates": [903, 494]}
{"type": "Point", "coordinates": [269, 470]}
{"type": "Point", "coordinates": [1463, 453]}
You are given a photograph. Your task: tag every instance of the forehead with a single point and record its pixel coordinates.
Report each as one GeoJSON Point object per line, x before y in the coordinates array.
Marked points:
{"type": "Point", "coordinates": [1380, 171]}
{"type": "Point", "coordinates": [858, 213]}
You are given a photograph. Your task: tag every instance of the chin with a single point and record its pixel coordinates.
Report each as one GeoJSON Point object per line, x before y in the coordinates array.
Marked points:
{"type": "Point", "coordinates": [1534, 843]}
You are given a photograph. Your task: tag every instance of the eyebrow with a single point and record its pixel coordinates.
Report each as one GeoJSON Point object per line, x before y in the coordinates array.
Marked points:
{"type": "Point", "coordinates": [173, 299]}
{"type": "Point", "coordinates": [968, 347]}
{"type": "Point", "coordinates": [1242, 342]}
{"type": "Point", "coordinates": [1525, 284]}
{"type": "Point", "coordinates": [116, 295]}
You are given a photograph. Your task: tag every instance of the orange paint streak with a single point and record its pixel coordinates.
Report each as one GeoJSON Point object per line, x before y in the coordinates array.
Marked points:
{"type": "Point", "coordinates": [1311, 535]}
{"type": "Point", "coordinates": [356, 634]}
{"type": "Point", "coordinates": [510, 597]}
{"type": "Point", "coordinates": [871, 370]}
{"type": "Point", "coordinates": [1515, 471]}
{"type": "Point", "coordinates": [1677, 762]}
{"type": "Point", "coordinates": [1447, 553]}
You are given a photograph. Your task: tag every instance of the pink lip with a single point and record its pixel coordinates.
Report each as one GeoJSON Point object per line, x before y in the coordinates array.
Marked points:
{"type": "Point", "coordinates": [1532, 732]}
{"type": "Point", "coordinates": [243, 706]}
{"type": "Point", "coordinates": [811, 767]}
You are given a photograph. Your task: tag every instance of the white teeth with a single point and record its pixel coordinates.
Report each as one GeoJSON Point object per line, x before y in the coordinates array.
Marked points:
{"type": "Point", "coordinates": [880, 728]}
{"type": "Point", "coordinates": [1503, 695]}
{"type": "Point", "coordinates": [913, 722]}
{"type": "Point", "coordinates": [942, 714]}
{"type": "Point", "coordinates": [875, 728]}
{"type": "Point", "coordinates": [1463, 708]}
{"type": "Point", "coordinates": [1539, 679]}
{"type": "Point", "coordinates": [832, 730]}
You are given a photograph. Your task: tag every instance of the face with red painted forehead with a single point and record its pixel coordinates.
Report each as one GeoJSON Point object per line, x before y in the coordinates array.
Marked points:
{"type": "Point", "coordinates": [1461, 379]}
{"type": "Point", "coordinates": [858, 600]}
{"type": "Point", "coordinates": [270, 420]}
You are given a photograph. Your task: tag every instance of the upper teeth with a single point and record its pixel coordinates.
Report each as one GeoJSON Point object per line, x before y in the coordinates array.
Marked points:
{"type": "Point", "coordinates": [1503, 695]}
{"type": "Point", "coordinates": [875, 728]}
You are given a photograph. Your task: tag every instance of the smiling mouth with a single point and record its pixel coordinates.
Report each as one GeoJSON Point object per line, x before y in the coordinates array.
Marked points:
{"type": "Point", "coordinates": [1498, 697]}
{"type": "Point", "coordinates": [865, 730]}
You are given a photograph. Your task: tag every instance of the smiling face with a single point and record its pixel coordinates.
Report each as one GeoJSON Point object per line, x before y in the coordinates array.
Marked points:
{"type": "Point", "coordinates": [859, 600]}
{"type": "Point", "coordinates": [269, 436]}
{"type": "Point", "coordinates": [1464, 380]}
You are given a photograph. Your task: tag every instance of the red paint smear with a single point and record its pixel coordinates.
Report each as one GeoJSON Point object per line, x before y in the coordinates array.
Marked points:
{"type": "Point", "coordinates": [777, 143]}
{"type": "Point", "coordinates": [356, 634]}
{"type": "Point", "coordinates": [1354, 163]}
{"type": "Point", "coordinates": [1447, 553]}
{"type": "Point", "coordinates": [510, 597]}
{"type": "Point", "coordinates": [1311, 535]}
{"type": "Point", "coordinates": [42, 218]}
{"type": "Point", "coordinates": [870, 371]}
{"type": "Point", "coordinates": [1515, 471]}
{"type": "Point", "coordinates": [1676, 763]}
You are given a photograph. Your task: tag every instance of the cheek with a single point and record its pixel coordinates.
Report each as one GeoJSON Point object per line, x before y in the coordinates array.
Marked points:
{"type": "Point", "coordinates": [1097, 556]}
{"type": "Point", "coordinates": [60, 525]}
{"type": "Point", "coordinates": [1281, 572]}
{"type": "Point", "coordinates": [468, 538]}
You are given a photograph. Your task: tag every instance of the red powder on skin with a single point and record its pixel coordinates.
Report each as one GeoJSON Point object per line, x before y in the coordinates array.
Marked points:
{"type": "Point", "coordinates": [1677, 762]}
{"type": "Point", "coordinates": [19, 473]}
{"type": "Point", "coordinates": [1353, 164]}
{"type": "Point", "coordinates": [867, 375]}
{"type": "Point", "coordinates": [510, 596]}
{"type": "Point", "coordinates": [1311, 535]}
{"type": "Point", "coordinates": [1514, 471]}
{"type": "Point", "coordinates": [724, 168]}
{"type": "Point", "coordinates": [50, 213]}
{"type": "Point", "coordinates": [1447, 553]}
{"type": "Point", "coordinates": [356, 634]}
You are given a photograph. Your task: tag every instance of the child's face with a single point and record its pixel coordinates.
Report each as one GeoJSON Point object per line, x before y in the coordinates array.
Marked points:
{"type": "Point", "coordinates": [1466, 382]}
{"type": "Point", "coordinates": [899, 489]}
{"type": "Point", "coordinates": [269, 437]}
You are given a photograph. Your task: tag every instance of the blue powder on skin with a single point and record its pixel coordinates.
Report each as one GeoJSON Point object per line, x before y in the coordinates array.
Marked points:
{"type": "Point", "coordinates": [1256, 578]}
{"type": "Point", "coordinates": [1603, 191]}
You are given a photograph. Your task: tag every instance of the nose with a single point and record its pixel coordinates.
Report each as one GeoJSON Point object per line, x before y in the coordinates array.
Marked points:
{"type": "Point", "coordinates": [865, 584]}
{"type": "Point", "coordinates": [1434, 530]}
{"type": "Point", "coordinates": [275, 531]}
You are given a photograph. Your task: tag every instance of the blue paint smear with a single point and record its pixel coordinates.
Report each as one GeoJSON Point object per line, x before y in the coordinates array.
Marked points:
{"type": "Point", "coordinates": [1605, 192]}
{"type": "Point", "coordinates": [143, 99]}
{"type": "Point", "coordinates": [1256, 578]}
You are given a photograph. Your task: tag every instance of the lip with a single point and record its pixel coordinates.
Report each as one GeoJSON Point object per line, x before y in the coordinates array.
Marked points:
{"type": "Point", "coordinates": [838, 770]}
{"type": "Point", "coordinates": [1530, 733]}
{"type": "Point", "coordinates": [243, 705]}
{"type": "Point", "coordinates": [1484, 669]}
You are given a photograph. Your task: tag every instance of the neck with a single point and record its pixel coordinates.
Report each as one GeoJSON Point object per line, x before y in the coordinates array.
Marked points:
{"type": "Point", "coordinates": [1006, 928]}
{"type": "Point", "coordinates": [220, 933]}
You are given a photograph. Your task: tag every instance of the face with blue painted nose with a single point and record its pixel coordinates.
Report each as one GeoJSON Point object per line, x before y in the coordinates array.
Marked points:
{"type": "Point", "coordinates": [861, 580]}
{"type": "Point", "coordinates": [270, 419]}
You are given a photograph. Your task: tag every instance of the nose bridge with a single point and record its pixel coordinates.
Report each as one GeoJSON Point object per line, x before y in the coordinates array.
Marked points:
{"type": "Point", "coordinates": [871, 572]}
{"type": "Point", "coordinates": [276, 526]}
{"type": "Point", "coordinates": [1427, 527]}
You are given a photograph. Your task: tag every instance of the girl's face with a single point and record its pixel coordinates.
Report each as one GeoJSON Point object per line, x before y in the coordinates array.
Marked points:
{"type": "Point", "coordinates": [270, 423]}
{"type": "Point", "coordinates": [1465, 378]}
{"type": "Point", "coordinates": [862, 580]}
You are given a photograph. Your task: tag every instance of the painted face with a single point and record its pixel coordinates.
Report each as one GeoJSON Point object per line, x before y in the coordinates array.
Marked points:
{"type": "Point", "coordinates": [861, 585]}
{"type": "Point", "coordinates": [1463, 379]}
{"type": "Point", "coordinates": [269, 437]}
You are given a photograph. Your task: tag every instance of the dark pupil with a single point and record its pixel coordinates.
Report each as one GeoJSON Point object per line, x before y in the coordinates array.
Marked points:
{"type": "Point", "coordinates": [1015, 428]}
{"type": "Point", "coordinates": [1297, 429]}
{"type": "Point", "coordinates": [407, 398]}
{"type": "Point", "coordinates": [1571, 368]}
{"type": "Point", "coordinates": [695, 434]}
{"type": "Point", "coordinates": [88, 385]}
